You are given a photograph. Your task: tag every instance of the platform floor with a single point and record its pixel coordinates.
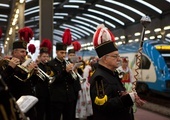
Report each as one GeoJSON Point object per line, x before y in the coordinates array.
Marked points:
{"type": "Point", "coordinates": [143, 114]}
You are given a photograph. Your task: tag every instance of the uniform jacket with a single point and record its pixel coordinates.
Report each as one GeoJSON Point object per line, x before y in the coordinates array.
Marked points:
{"type": "Point", "coordinates": [42, 89]}
{"type": "Point", "coordinates": [116, 107]}
{"type": "Point", "coordinates": [62, 89]}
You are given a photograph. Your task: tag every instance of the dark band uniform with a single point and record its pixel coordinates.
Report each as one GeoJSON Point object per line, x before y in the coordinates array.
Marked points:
{"type": "Point", "coordinates": [116, 107]}
{"type": "Point", "coordinates": [17, 87]}
{"type": "Point", "coordinates": [62, 89]}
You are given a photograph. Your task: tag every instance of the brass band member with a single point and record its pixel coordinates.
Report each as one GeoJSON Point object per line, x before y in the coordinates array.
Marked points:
{"type": "Point", "coordinates": [16, 86]}
{"type": "Point", "coordinates": [62, 89]}
{"type": "Point", "coordinates": [42, 91]}
{"type": "Point", "coordinates": [109, 99]}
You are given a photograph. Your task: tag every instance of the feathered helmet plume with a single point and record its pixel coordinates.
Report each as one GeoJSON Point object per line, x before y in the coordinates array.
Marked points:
{"type": "Point", "coordinates": [66, 38]}
{"type": "Point", "coordinates": [26, 34]}
{"type": "Point", "coordinates": [101, 35]}
{"type": "Point", "coordinates": [46, 46]}
{"type": "Point", "coordinates": [104, 41]}
{"type": "Point", "coordinates": [31, 48]}
{"type": "Point", "coordinates": [76, 45]}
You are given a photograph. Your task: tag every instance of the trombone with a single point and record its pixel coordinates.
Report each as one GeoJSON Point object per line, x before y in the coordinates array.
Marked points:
{"type": "Point", "coordinates": [75, 75]}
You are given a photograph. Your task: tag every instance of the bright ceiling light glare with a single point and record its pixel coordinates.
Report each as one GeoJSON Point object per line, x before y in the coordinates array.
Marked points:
{"type": "Point", "coordinates": [4, 5]}
{"type": "Point", "coordinates": [77, 1]}
{"type": "Point", "coordinates": [61, 14]}
{"type": "Point", "coordinates": [168, 35]}
{"type": "Point", "coordinates": [122, 37]}
{"type": "Point", "coordinates": [110, 24]}
{"type": "Point", "coordinates": [1, 19]}
{"type": "Point", "coordinates": [168, 1]}
{"type": "Point", "coordinates": [147, 32]}
{"type": "Point", "coordinates": [70, 6]}
{"type": "Point", "coordinates": [58, 17]}
{"type": "Point", "coordinates": [88, 25]}
{"type": "Point", "coordinates": [150, 6]}
{"type": "Point", "coordinates": [136, 40]}
{"type": "Point", "coordinates": [78, 29]}
{"type": "Point", "coordinates": [115, 11]}
{"type": "Point", "coordinates": [21, 1]}
{"type": "Point", "coordinates": [167, 28]}
{"type": "Point", "coordinates": [31, 9]}
{"type": "Point", "coordinates": [89, 30]}
{"type": "Point", "coordinates": [28, 1]}
{"type": "Point", "coordinates": [116, 38]}
{"type": "Point", "coordinates": [95, 17]}
{"type": "Point", "coordinates": [159, 36]}
{"type": "Point", "coordinates": [5, 16]}
{"type": "Point", "coordinates": [145, 38]}
{"type": "Point", "coordinates": [157, 30]}
{"type": "Point", "coordinates": [56, 3]}
{"type": "Point", "coordinates": [28, 13]}
{"type": "Point", "coordinates": [126, 6]}
{"type": "Point", "coordinates": [106, 15]}
{"type": "Point", "coordinates": [73, 32]}
{"type": "Point", "coordinates": [152, 37]}
{"type": "Point", "coordinates": [137, 34]}
{"type": "Point", "coordinates": [88, 20]}
{"type": "Point", "coordinates": [130, 41]}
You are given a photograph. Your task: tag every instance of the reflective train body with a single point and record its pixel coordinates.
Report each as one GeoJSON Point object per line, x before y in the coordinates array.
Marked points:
{"type": "Point", "coordinates": [154, 68]}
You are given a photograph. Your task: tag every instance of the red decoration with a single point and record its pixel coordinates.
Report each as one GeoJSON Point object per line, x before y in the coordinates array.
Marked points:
{"type": "Point", "coordinates": [0, 33]}
{"type": "Point", "coordinates": [26, 34]}
{"type": "Point", "coordinates": [67, 37]}
{"type": "Point", "coordinates": [31, 48]}
{"type": "Point", "coordinates": [76, 45]}
{"type": "Point", "coordinates": [47, 43]}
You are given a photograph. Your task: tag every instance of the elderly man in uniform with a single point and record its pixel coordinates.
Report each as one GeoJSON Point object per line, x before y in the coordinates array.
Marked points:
{"type": "Point", "coordinates": [109, 99]}
{"type": "Point", "coordinates": [63, 95]}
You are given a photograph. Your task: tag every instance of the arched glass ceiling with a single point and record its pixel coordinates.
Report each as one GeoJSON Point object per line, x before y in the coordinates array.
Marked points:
{"type": "Point", "coordinates": [89, 13]}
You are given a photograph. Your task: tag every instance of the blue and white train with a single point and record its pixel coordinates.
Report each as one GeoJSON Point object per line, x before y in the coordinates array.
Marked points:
{"type": "Point", "coordinates": [154, 68]}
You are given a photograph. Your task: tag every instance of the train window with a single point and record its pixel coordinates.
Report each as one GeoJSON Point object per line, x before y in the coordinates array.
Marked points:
{"type": "Point", "coordinates": [145, 63]}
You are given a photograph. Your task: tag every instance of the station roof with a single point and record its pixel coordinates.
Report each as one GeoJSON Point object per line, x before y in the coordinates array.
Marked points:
{"type": "Point", "coordinates": [83, 16]}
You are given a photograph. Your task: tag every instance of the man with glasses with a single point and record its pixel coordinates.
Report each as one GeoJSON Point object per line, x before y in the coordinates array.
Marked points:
{"type": "Point", "coordinates": [109, 99]}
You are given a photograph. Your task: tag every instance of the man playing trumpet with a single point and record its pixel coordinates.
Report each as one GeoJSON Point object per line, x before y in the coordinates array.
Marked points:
{"type": "Point", "coordinates": [19, 87]}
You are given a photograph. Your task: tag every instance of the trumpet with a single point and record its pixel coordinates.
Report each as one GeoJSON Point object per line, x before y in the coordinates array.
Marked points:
{"type": "Point", "coordinates": [75, 75]}
{"type": "Point", "coordinates": [43, 76]}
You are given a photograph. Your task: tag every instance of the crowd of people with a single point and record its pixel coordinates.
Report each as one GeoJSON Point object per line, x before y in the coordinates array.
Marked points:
{"type": "Point", "coordinates": [92, 90]}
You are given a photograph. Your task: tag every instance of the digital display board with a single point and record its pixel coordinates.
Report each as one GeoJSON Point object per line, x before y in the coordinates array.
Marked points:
{"type": "Point", "coordinates": [163, 47]}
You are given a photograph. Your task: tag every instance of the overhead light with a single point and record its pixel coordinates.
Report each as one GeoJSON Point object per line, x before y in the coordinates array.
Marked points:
{"type": "Point", "coordinates": [31, 9]}
{"type": "Point", "coordinates": [1, 19]}
{"type": "Point", "coordinates": [58, 17]}
{"type": "Point", "coordinates": [137, 34]}
{"type": "Point", "coordinates": [136, 40]}
{"type": "Point", "coordinates": [166, 27]}
{"type": "Point", "coordinates": [110, 24]}
{"type": "Point", "coordinates": [126, 6]}
{"type": "Point", "coordinates": [78, 29]}
{"type": "Point", "coordinates": [95, 17]}
{"type": "Point", "coordinates": [70, 6]}
{"type": "Point", "coordinates": [64, 14]}
{"type": "Point", "coordinates": [159, 36]}
{"type": "Point", "coordinates": [106, 15]}
{"type": "Point", "coordinates": [21, 1]}
{"type": "Point", "coordinates": [147, 32]}
{"type": "Point", "coordinates": [157, 29]}
{"type": "Point", "coordinates": [28, 1]}
{"type": "Point", "coordinates": [5, 16]}
{"type": "Point", "coordinates": [4, 5]}
{"type": "Point", "coordinates": [77, 1]}
{"type": "Point", "coordinates": [116, 38]}
{"type": "Point", "coordinates": [56, 3]}
{"type": "Point", "coordinates": [168, 0]}
{"type": "Point", "coordinates": [116, 11]}
{"type": "Point", "coordinates": [88, 25]}
{"type": "Point", "coordinates": [28, 13]}
{"type": "Point", "coordinates": [150, 6]}
{"type": "Point", "coordinates": [88, 20]}
{"type": "Point", "coordinates": [152, 37]}
{"type": "Point", "coordinates": [89, 30]}
{"type": "Point", "coordinates": [122, 37]}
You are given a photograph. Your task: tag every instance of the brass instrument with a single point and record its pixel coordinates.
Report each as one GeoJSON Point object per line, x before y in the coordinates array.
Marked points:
{"type": "Point", "coordinates": [101, 97]}
{"type": "Point", "coordinates": [75, 75]}
{"type": "Point", "coordinates": [43, 76]}
{"type": "Point", "coordinates": [21, 73]}
{"type": "Point", "coordinates": [8, 107]}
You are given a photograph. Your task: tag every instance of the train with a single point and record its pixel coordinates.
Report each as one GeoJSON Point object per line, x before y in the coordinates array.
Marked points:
{"type": "Point", "coordinates": [154, 67]}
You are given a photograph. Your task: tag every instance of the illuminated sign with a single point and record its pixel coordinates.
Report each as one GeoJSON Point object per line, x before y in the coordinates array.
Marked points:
{"type": "Point", "coordinates": [163, 47]}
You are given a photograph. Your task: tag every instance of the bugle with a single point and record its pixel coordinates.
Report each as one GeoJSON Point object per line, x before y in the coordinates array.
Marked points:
{"type": "Point", "coordinates": [75, 75]}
